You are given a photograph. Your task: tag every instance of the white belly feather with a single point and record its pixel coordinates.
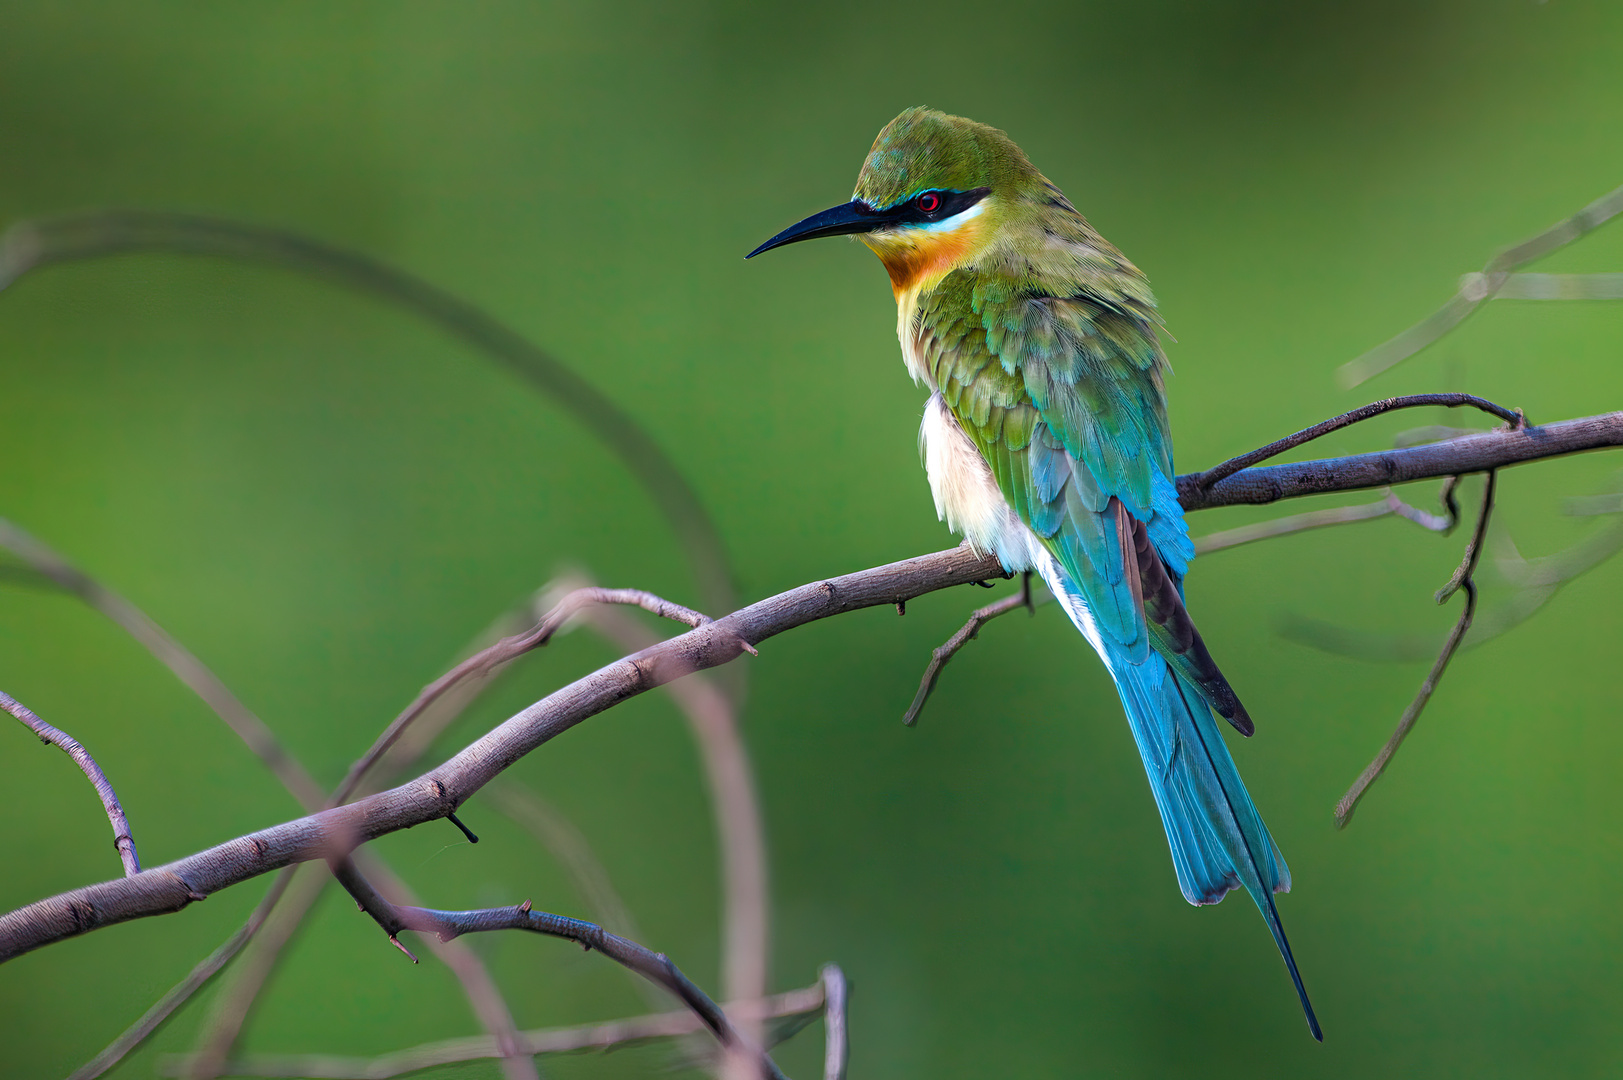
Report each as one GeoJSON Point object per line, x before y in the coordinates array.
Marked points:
{"type": "Point", "coordinates": [966, 494]}
{"type": "Point", "coordinates": [968, 500]}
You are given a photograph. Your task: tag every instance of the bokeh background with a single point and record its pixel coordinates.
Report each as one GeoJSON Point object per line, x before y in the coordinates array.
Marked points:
{"type": "Point", "coordinates": [327, 500]}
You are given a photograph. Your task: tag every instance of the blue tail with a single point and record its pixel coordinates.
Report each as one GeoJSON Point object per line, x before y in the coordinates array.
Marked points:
{"type": "Point", "coordinates": [1217, 837]}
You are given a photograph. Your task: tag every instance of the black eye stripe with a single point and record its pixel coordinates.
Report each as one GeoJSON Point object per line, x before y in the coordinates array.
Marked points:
{"type": "Point", "coordinates": [950, 203]}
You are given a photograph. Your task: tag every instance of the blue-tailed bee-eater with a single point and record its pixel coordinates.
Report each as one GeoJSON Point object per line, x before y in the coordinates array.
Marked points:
{"type": "Point", "coordinates": [1046, 443]}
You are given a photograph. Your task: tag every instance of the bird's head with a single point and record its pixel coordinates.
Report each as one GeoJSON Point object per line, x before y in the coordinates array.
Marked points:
{"type": "Point", "coordinates": [929, 198]}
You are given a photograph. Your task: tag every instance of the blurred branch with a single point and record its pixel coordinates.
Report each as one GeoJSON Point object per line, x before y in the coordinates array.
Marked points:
{"type": "Point", "coordinates": [1475, 288]}
{"type": "Point", "coordinates": [612, 1034]}
{"type": "Point", "coordinates": [278, 924]}
{"type": "Point", "coordinates": [122, 840]}
{"type": "Point", "coordinates": [155, 1017]}
{"type": "Point", "coordinates": [967, 633]}
{"type": "Point", "coordinates": [1461, 579]}
{"type": "Point", "coordinates": [47, 565]}
{"type": "Point", "coordinates": [485, 662]}
{"type": "Point", "coordinates": [1548, 286]}
{"type": "Point", "coordinates": [656, 967]}
{"type": "Point", "coordinates": [735, 807]}
{"type": "Point", "coordinates": [1320, 519]}
{"type": "Point", "coordinates": [191, 671]}
{"type": "Point", "coordinates": [231, 1010]}
{"type": "Point", "coordinates": [40, 242]}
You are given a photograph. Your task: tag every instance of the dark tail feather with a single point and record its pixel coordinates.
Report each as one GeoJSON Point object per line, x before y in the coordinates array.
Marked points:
{"type": "Point", "coordinates": [1218, 840]}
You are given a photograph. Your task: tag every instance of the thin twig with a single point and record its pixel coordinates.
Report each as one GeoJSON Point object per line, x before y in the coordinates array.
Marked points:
{"type": "Point", "coordinates": [1319, 519]}
{"type": "Point", "coordinates": [794, 1005]}
{"type": "Point", "coordinates": [967, 633]}
{"type": "Point", "coordinates": [1205, 480]}
{"type": "Point", "coordinates": [836, 1043]}
{"type": "Point", "coordinates": [36, 243]}
{"type": "Point", "coordinates": [1476, 288]}
{"type": "Point", "coordinates": [122, 840]}
{"type": "Point", "coordinates": [1461, 579]}
{"type": "Point", "coordinates": [447, 925]}
{"type": "Point", "coordinates": [487, 661]}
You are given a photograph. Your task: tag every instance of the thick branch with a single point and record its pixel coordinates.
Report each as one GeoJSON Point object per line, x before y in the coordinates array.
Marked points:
{"type": "Point", "coordinates": [170, 888]}
{"type": "Point", "coordinates": [1470, 454]}
{"type": "Point", "coordinates": [87, 764]}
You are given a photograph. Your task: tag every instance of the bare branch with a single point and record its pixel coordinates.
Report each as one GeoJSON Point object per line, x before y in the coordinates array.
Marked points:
{"type": "Point", "coordinates": [32, 244]}
{"type": "Point", "coordinates": [836, 1046]}
{"type": "Point", "coordinates": [487, 661]}
{"type": "Point", "coordinates": [170, 888]}
{"type": "Point", "coordinates": [967, 633]}
{"type": "Point", "coordinates": [122, 839]}
{"type": "Point", "coordinates": [794, 1005]}
{"type": "Point", "coordinates": [1471, 454]}
{"type": "Point", "coordinates": [1205, 480]}
{"type": "Point", "coordinates": [442, 790]}
{"type": "Point", "coordinates": [447, 925]}
{"type": "Point", "coordinates": [1476, 288]}
{"type": "Point", "coordinates": [1461, 579]}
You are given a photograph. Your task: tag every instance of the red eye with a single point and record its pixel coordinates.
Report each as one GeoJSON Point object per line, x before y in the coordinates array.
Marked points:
{"type": "Point", "coordinates": [929, 202]}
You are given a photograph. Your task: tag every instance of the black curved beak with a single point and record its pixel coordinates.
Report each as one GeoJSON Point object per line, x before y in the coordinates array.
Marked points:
{"type": "Point", "coordinates": [855, 216]}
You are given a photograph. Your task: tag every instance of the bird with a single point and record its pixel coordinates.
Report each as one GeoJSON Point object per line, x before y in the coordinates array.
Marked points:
{"type": "Point", "coordinates": [1046, 443]}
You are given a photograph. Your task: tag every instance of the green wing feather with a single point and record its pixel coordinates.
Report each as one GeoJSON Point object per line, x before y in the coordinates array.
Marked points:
{"type": "Point", "coordinates": [1064, 399]}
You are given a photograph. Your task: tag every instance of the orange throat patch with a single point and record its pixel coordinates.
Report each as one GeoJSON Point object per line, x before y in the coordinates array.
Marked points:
{"type": "Point", "coordinates": [917, 259]}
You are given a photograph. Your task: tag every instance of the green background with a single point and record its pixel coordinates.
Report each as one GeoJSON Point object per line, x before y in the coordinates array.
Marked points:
{"type": "Point", "coordinates": [326, 500]}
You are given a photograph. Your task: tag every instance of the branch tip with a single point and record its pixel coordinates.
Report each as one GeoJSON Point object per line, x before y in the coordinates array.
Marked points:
{"type": "Point", "coordinates": [454, 820]}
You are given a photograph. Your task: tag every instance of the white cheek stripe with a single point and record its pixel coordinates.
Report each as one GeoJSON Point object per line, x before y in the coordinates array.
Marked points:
{"type": "Point", "coordinates": [949, 224]}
